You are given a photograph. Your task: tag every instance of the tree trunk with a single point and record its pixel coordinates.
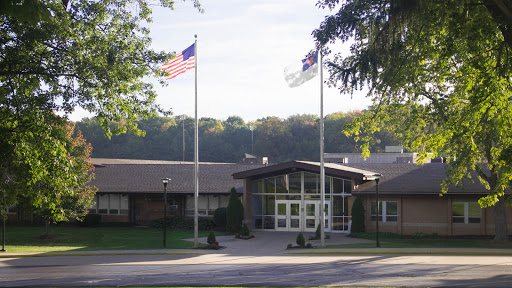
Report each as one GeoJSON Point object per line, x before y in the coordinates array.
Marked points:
{"type": "Point", "coordinates": [500, 221]}
{"type": "Point", "coordinates": [47, 227]}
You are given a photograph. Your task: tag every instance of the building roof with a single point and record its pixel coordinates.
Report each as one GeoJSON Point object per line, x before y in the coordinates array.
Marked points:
{"type": "Point", "coordinates": [412, 179]}
{"type": "Point", "coordinates": [144, 176]}
{"type": "Point", "coordinates": [331, 169]}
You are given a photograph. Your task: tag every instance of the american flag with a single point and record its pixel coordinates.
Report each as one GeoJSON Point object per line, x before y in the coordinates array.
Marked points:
{"type": "Point", "coordinates": [181, 63]}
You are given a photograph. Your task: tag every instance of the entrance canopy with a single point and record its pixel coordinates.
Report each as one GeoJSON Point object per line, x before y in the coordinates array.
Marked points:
{"type": "Point", "coordinates": [286, 196]}
{"type": "Point", "coordinates": [331, 169]}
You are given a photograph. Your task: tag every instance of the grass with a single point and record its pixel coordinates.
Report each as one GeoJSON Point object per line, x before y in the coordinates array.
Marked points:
{"type": "Point", "coordinates": [28, 238]}
{"type": "Point", "coordinates": [389, 240]}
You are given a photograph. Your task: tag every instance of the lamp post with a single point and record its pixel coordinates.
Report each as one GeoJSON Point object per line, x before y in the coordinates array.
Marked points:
{"type": "Point", "coordinates": [165, 181]}
{"type": "Point", "coordinates": [3, 232]}
{"type": "Point", "coordinates": [377, 178]}
{"type": "Point", "coordinates": [252, 138]}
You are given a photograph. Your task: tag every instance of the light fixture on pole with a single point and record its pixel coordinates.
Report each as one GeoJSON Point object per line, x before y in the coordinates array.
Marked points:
{"type": "Point", "coordinates": [3, 232]}
{"type": "Point", "coordinates": [165, 181]}
{"type": "Point", "coordinates": [377, 178]}
{"type": "Point", "coordinates": [252, 138]}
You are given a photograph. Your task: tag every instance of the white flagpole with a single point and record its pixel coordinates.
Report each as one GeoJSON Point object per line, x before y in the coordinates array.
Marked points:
{"type": "Point", "coordinates": [322, 171]}
{"type": "Point", "coordinates": [196, 159]}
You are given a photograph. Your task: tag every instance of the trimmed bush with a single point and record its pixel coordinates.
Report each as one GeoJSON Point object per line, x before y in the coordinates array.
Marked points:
{"type": "Point", "coordinates": [219, 216]}
{"type": "Point", "coordinates": [300, 240]}
{"type": "Point", "coordinates": [234, 212]}
{"type": "Point", "coordinates": [245, 231]}
{"type": "Point", "coordinates": [358, 218]}
{"type": "Point", "coordinates": [318, 231]}
{"type": "Point", "coordinates": [183, 223]}
{"type": "Point", "coordinates": [211, 238]}
{"type": "Point", "coordinates": [91, 220]}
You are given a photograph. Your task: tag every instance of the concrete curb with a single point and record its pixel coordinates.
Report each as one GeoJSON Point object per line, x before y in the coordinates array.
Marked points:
{"type": "Point", "coordinates": [405, 252]}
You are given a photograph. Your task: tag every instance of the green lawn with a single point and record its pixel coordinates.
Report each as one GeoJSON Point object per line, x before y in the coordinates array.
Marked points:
{"type": "Point", "coordinates": [388, 240]}
{"type": "Point", "coordinates": [28, 238]}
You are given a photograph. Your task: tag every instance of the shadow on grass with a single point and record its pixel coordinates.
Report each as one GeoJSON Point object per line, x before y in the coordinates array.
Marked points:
{"type": "Point", "coordinates": [27, 238]}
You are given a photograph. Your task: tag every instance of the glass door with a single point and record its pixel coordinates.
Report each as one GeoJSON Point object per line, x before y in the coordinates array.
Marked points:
{"type": "Point", "coordinates": [312, 215]}
{"type": "Point", "coordinates": [288, 215]}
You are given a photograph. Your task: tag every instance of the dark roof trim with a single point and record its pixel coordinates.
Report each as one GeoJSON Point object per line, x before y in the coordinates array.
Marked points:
{"type": "Point", "coordinates": [331, 169]}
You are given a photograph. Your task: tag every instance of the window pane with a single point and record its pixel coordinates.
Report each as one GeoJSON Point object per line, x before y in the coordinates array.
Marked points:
{"type": "Point", "coordinates": [257, 186]}
{"type": "Point", "coordinates": [391, 218]}
{"type": "Point", "coordinates": [337, 206]}
{"type": "Point", "coordinates": [124, 201]}
{"type": "Point", "coordinates": [457, 219]}
{"type": "Point", "coordinates": [474, 219]}
{"type": "Point", "coordinates": [295, 182]}
{"type": "Point", "coordinates": [310, 209]}
{"type": "Point", "coordinates": [337, 186]}
{"type": "Point", "coordinates": [270, 205]}
{"type": "Point", "coordinates": [294, 209]}
{"type": "Point", "coordinates": [268, 222]}
{"type": "Point", "coordinates": [281, 184]}
{"type": "Point", "coordinates": [257, 204]}
{"type": "Point", "coordinates": [327, 185]}
{"type": "Point", "coordinates": [347, 186]}
{"type": "Point", "coordinates": [474, 209]}
{"type": "Point", "coordinates": [458, 210]}
{"type": "Point", "coordinates": [103, 204]}
{"type": "Point", "coordinates": [391, 208]}
{"type": "Point", "coordinates": [311, 183]}
{"type": "Point", "coordinates": [374, 209]}
{"type": "Point", "coordinates": [270, 185]}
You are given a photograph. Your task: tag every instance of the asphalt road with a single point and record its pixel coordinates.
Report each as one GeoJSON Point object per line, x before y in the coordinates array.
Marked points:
{"type": "Point", "coordinates": [279, 270]}
{"type": "Point", "coordinates": [252, 263]}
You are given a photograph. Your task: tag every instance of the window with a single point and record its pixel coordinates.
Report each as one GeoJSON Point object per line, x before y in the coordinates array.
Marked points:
{"type": "Point", "coordinates": [112, 204]}
{"type": "Point", "coordinates": [206, 204]}
{"type": "Point", "coordinates": [11, 210]}
{"type": "Point", "coordinates": [466, 212]}
{"type": "Point", "coordinates": [388, 211]}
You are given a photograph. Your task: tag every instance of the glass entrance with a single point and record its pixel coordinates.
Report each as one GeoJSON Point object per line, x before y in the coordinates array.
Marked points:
{"type": "Point", "coordinates": [312, 215]}
{"type": "Point", "coordinates": [288, 216]}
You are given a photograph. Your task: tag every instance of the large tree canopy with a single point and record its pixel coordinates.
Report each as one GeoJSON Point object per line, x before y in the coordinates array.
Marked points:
{"type": "Point", "coordinates": [439, 75]}
{"type": "Point", "coordinates": [55, 56]}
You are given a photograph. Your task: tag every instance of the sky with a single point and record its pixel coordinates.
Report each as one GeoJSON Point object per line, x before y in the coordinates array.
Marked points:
{"type": "Point", "coordinates": [243, 48]}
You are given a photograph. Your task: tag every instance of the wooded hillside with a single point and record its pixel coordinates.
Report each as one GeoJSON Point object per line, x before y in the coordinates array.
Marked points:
{"type": "Point", "coordinates": [295, 138]}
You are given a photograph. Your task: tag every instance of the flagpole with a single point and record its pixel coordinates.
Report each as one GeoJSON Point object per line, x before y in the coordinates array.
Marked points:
{"type": "Point", "coordinates": [322, 171]}
{"type": "Point", "coordinates": [196, 158]}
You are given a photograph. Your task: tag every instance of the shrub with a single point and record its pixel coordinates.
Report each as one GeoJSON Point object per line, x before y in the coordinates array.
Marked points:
{"type": "Point", "coordinates": [91, 220]}
{"type": "Point", "coordinates": [245, 231]}
{"type": "Point", "coordinates": [309, 245]}
{"type": "Point", "coordinates": [289, 246]}
{"type": "Point", "coordinates": [234, 212]}
{"type": "Point", "coordinates": [300, 240]}
{"type": "Point", "coordinates": [358, 218]}
{"type": "Point", "coordinates": [211, 238]}
{"type": "Point", "coordinates": [219, 216]}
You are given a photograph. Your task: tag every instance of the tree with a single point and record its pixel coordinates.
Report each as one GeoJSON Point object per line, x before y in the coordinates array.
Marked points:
{"type": "Point", "coordinates": [439, 74]}
{"type": "Point", "coordinates": [69, 200]}
{"type": "Point", "coordinates": [234, 212]}
{"type": "Point", "coordinates": [358, 219]}
{"type": "Point", "coordinates": [59, 55]}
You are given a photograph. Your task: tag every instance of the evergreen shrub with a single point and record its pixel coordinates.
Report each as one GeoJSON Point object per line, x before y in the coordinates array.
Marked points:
{"type": "Point", "coordinates": [234, 212]}
{"type": "Point", "coordinates": [358, 218]}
